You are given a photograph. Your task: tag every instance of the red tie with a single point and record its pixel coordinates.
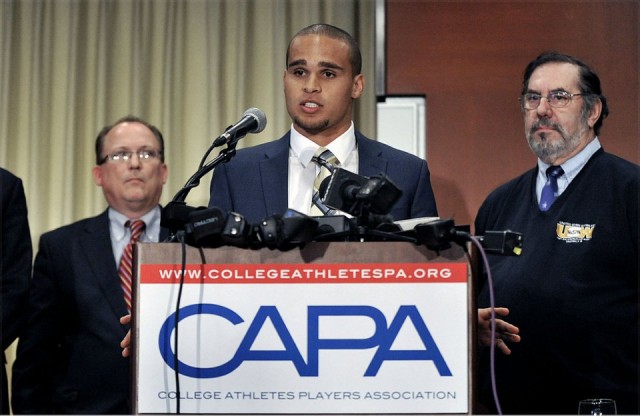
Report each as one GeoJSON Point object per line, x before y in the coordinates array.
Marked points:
{"type": "Point", "coordinates": [126, 262]}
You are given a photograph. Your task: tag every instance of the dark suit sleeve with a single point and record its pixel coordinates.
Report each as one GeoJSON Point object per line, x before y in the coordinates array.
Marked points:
{"type": "Point", "coordinates": [411, 175]}
{"type": "Point", "coordinates": [220, 192]}
{"type": "Point", "coordinates": [33, 370]}
{"type": "Point", "coordinates": [424, 201]}
{"type": "Point", "coordinates": [16, 257]}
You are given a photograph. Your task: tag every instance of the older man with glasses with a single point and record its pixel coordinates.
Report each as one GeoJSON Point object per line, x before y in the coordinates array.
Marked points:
{"type": "Point", "coordinates": [573, 291]}
{"type": "Point", "coordinates": [68, 358]}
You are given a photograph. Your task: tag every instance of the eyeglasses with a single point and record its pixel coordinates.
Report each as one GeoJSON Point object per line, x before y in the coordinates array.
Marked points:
{"type": "Point", "coordinates": [556, 99]}
{"type": "Point", "coordinates": [123, 156]}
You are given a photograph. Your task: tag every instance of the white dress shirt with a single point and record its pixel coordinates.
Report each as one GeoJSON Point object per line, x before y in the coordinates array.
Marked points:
{"type": "Point", "coordinates": [302, 172]}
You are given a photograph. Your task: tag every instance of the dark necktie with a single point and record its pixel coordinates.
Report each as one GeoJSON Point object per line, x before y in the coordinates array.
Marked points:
{"type": "Point", "coordinates": [126, 261]}
{"type": "Point", "coordinates": [550, 189]}
{"type": "Point", "coordinates": [327, 162]}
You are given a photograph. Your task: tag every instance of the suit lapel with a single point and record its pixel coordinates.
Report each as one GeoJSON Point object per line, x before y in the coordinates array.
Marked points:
{"type": "Point", "coordinates": [274, 176]}
{"type": "Point", "coordinates": [95, 242]}
{"type": "Point", "coordinates": [370, 159]}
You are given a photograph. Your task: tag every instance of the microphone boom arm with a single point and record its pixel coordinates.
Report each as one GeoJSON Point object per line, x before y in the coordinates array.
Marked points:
{"type": "Point", "coordinates": [224, 156]}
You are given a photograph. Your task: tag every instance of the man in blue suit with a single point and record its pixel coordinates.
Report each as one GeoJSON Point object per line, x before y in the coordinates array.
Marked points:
{"type": "Point", "coordinates": [68, 359]}
{"type": "Point", "coordinates": [322, 80]}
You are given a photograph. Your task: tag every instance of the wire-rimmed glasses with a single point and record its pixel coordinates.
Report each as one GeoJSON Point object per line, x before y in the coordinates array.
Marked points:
{"type": "Point", "coordinates": [556, 99]}
{"type": "Point", "coordinates": [124, 156]}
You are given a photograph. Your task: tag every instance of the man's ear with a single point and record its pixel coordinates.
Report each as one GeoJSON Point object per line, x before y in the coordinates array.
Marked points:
{"type": "Point", "coordinates": [594, 114]}
{"type": "Point", "coordinates": [358, 86]}
{"type": "Point", "coordinates": [96, 172]}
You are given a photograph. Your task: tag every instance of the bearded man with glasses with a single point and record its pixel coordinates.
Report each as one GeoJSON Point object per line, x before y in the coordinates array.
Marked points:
{"type": "Point", "coordinates": [68, 358]}
{"type": "Point", "coordinates": [573, 291]}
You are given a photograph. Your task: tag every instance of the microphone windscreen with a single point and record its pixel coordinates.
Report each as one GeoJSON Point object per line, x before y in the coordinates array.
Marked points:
{"type": "Point", "coordinates": [259, 116]}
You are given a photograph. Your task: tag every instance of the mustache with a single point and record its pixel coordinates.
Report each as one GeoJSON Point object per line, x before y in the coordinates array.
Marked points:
{"type": "Point", "coordinates": [544, 123]}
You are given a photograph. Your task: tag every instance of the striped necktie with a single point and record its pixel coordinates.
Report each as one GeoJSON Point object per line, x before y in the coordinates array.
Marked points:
{"type": "Point", "coordinates": [550, 189]}
{"type": "Point", "coordinates": [126, 261]}
{"type": "Point", "coordinates": [327, 162]}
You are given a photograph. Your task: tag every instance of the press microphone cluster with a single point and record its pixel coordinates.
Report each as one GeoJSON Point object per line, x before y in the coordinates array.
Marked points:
{"type": "Point", "coordinates": [253, 121]}
{"type": "Point", "coordinates": [211, 227]}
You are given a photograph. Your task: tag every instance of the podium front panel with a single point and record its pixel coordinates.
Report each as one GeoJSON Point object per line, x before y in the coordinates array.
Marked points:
{"type": "Point", "coordinates": [333, 328]}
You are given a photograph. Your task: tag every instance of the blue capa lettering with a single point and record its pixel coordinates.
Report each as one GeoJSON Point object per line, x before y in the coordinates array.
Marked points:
{"type": "Point", "coordinates": [382, 338]}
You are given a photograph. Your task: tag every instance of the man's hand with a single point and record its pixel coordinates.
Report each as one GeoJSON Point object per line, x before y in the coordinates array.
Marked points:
{"type": "Point", "coordinates": [504, 330]}
{"type": "Point", "coordinates": [126, 341]}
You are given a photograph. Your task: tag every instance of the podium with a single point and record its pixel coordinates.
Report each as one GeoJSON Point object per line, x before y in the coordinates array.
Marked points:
{"type": "Point", "coordinates": [331, 328]}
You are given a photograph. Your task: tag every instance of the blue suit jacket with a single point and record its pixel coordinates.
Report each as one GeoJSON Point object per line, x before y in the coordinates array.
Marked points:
{"type": "Point", "coordinates": [69, 359]}
{"type": "Point", "coordinates": [255, 182]}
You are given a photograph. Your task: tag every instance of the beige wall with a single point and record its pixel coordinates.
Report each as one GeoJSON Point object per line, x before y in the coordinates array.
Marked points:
{"type": "Point", "coordinates": [468, 58]}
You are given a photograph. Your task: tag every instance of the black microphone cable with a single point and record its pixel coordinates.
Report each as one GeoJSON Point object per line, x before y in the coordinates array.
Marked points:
{"type": "Point", "coordinates": [176, 361]}
{"type": "Point", "coordinates": [492, 305]}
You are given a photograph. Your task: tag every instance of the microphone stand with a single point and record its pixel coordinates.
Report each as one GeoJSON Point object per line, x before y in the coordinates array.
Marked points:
{"type": "Point", "coordinates": [176, 214]}
{"type": "Point", "coordinates": [224, 156]}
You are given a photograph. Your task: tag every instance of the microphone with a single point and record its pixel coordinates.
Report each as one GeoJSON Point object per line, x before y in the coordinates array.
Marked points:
{"type": "Point", "coordinates": [253, 121]}
{"type": "Point", "coordinates": [350, 192]}
{"type": "Point", "coordinates": [341, 190]}
{"type": "Point", "coordinates": [506, 243]}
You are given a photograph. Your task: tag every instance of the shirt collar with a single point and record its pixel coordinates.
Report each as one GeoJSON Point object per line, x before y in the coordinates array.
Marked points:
{"type": "Point", "coordinates": [574, 165]}
{"type": "Point", "coordinates": [151, 220]}
{"type": "Point", "coordinates": [303, 148]}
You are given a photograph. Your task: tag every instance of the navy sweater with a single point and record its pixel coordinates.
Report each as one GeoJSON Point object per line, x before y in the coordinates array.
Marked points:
{"type": "Point", "coordinates": [573, 291]}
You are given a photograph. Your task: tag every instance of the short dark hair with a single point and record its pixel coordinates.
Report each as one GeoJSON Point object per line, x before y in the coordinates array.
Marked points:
{"type": "Point", "coordinates": [127, 119]}
{"type": "Point", "coordinates": [323, 29]}
{"type": "Point", "coordinates": [589, 82]}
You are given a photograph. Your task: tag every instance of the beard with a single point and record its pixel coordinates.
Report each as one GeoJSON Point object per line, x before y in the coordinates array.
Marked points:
{"type": "Point", "coordinates": [549, 150]}
{"type": "Point", "coordinates": [311, 128]}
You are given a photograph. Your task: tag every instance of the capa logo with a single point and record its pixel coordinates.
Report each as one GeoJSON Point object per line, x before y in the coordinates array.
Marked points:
{"type": "Point", "coordinates": [382, 339]}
